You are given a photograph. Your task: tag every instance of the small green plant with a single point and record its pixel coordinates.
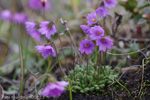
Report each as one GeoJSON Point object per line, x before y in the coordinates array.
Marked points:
{"type": "Point", "coordinates": [84, 82]}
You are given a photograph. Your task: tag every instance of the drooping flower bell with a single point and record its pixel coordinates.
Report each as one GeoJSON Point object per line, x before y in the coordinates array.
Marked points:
{"type": "Point", "coordinates": [46, 50]}
{"type": "Point", "coordinates": [102, 11]}
{"type": "Point", "coordinates": [86, 46]}
{"type": "Point", "coordinates": [96, 32]}
{"type": "Point", "coordinates": [54, 89]}
{"type": "Point", "coordinates": [31, 29]}
{"type": "Point", "coordinates": [104, 43]}
{"type": "Point", "coordinates": [47, 29]}
{"type": "Point", "coordinates": [91, 18]}
{"type": "Point", "coordinates": [110, 3]}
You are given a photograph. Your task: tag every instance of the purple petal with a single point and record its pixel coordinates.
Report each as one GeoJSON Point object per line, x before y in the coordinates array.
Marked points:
{"type": "Point", "coordinates": [62, 83]}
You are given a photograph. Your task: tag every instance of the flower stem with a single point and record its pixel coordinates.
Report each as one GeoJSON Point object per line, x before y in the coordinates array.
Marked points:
{"type": "Point", "coordinates": [61, 70]}
{"type": "Point", "coordinates": [70, 90]}
{"type": "Point", "coordinates": [22, 64]}
{"type": "Point", "coordinates": [47, 71]}
{"type": "Point", "coordinates": [96, 57]}
{"type": "Point", "coordinates": [71, 37]}
{"type": "Point", "coordinates": [62, 50]}
{"type": "Point", "coordinates": [87, 65]}
{"type": "Point", "coordinates": [26, 51]}
{"type": "Point", "coordinates": [21, 74]}
{"type": "Point", "coordinates": [99, 67]}
{"type": "Point", "coordinates": [87, 70]}
{"type": "Point", "coordinates": [104, 69]}
{"type": "Point", "coordinates": [44, 17]}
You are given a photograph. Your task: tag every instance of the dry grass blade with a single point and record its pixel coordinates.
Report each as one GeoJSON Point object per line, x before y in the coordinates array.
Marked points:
{"type": "Point", "coordinates": [129, 69]}
{"type": "Point", "coordinates": [1, 93]}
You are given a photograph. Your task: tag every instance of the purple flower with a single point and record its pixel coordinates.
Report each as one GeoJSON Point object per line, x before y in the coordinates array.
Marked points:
{"type": "Point", "coordinates": [96, 32]}
{"type": "Point", "coordinates": [86, 46]}
{"type": "Point", "coordinates": [20, 18]}
{"type": "Point", "coordinates": [37, 5]}
{"type": "Point", "coordinates": [31, 29]}
{"type": "Point", "coordinates": [92, 18]}
{"type": "Point", "coordinates": [54, 90]}
{"type": "Point", "coordinates": [47, 29]}
{"type": "Point", "coordinates": [36, 35]}
{"type": "Point", "coordinates": [6, 15]}
{"type": "Point", "coordinates": [46, 50]}
{"type": "Point", "coordinates": [86, 29]}
{"type": "Point", "coordinates": [102, 11]}
{"type": "Point", "coordinates": [30, 26]}
{"type": "Point", "coordinates": [104, 43]}
{"type": "Point", "coordinates": [90, 0]}
{"type": "Point", "coordinates": [110, 3]}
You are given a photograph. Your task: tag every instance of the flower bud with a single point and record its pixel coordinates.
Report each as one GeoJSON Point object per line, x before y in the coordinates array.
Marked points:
{"type": "Point", "coordinates": [43, 2]}
{"type": "Point", "coordinates": [146, 16]}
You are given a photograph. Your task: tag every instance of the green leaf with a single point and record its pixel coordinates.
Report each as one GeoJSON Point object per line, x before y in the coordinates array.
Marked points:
{"type": "Point", "coordinates": [83, 85]}
{"type": "Point", "coordinates": [92, 88]}
{"type": "Point", "coordinates": [82, 91]}
{"type": "Point", "coordinates": [74, 91]}
{"type": "Point", "coordinates": [102, 85]}
{"type": "Point", "coordinates": [97, 88]}
{"type": "Point", "coordinates": [77, 83]}
{"type": "Point", "coordinates": [86, 89]}
{"type": "Point", "coordinates": [131, 5]}
{"type": "Point", "coordinates": [77, 87]}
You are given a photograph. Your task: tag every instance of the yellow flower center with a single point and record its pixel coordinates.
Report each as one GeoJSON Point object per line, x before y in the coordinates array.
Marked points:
{"type": "Point", "coordinates": [93, 20]}
{"type": "Point", "coordinates": [86, 45]}
{"type": "Point", "coordinates": [107, 0]}
{"type": "Point", "coordinates": [99, 33]}
{"type": "Point", "coordinates": [103, 39]}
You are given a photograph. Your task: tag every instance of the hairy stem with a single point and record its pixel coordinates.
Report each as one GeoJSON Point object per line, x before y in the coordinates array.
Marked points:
{"type": "Point", "coordinates": [62, 50]}
{"type": "Point", "coordinates": [105, 55]}
{"type": "Point", "coordinates": [61, 70]}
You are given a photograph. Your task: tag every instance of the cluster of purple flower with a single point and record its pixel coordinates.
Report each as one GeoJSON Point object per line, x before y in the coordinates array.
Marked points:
{"type": "Point", "coordinates": [96, 32]}
{"type": "Point", "coordinates": [19, 18]}
{"type": "Point", "coordinates": [102, 11]}
{"type": "Point", "coordinates": [45, 29]}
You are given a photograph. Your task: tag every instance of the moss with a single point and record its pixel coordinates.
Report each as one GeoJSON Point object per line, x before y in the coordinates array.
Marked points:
{"type": "Point", "coordinates": [89, 83]}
